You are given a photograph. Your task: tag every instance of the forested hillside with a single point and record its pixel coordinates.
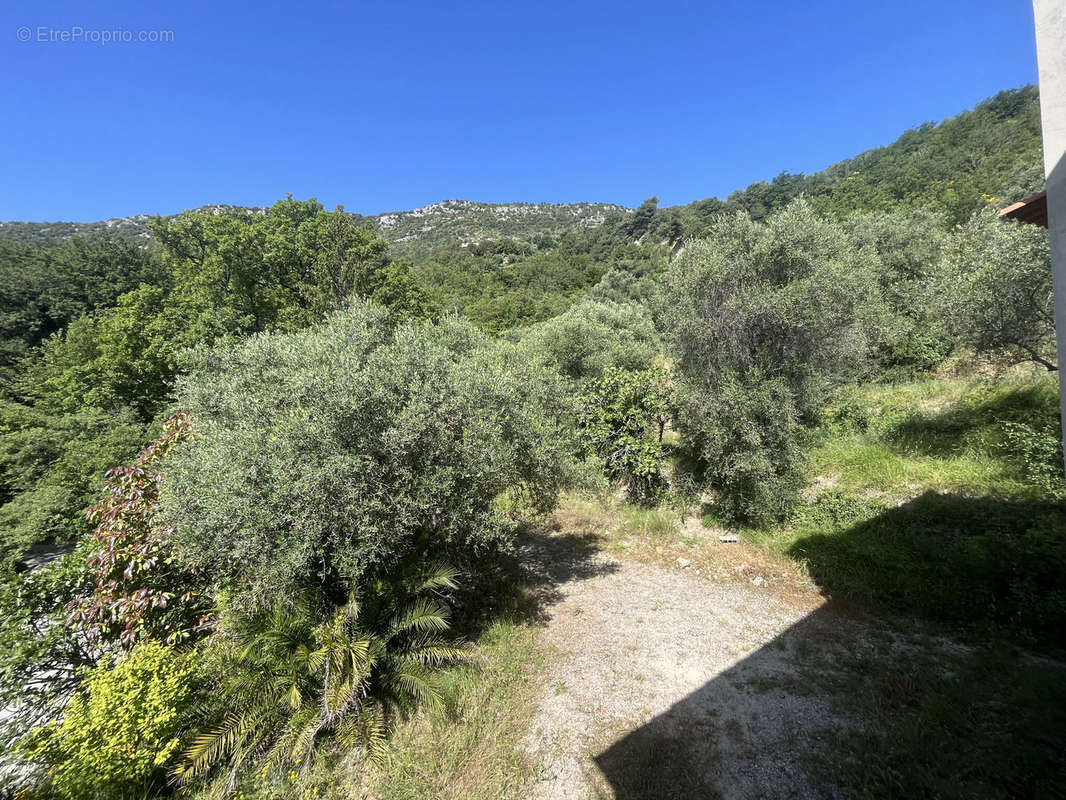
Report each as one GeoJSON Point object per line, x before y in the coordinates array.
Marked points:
{"type": "Point", "coordinates": [323, 436]}
{"type": "Point", "coordinates": [991, 154]}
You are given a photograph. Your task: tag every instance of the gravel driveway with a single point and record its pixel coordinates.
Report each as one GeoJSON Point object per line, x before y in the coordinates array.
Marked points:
{"type": "Point", "coordinates": [666, 684]}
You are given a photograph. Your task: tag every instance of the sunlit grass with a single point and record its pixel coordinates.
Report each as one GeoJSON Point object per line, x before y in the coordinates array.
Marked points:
{"type": "Point", "coordinates": [476, 751]}
{"type": "Point", "coordinates": [935, 435]}
{"type": "Point", "coordinates": [612, 518]}
{"type": "Point", "coordinates": [862, 463]}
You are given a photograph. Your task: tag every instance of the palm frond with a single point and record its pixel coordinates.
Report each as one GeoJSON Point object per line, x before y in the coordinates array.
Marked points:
{"type": "Point", "coordinates": [417, 682]}
{"type": "Point", "coordinates": [294, 679]}
{"type": "Point", "coordinates": [296, 738]}
{"type": "Point", "coordinates": [438, 653]}
{"type": "Point", "coordinates": [342, 695]}
{"type": "Point", "coordinates": [422, 615]}
{"type": "Point", "coordinates": [366, 730]}
{"type": "Point", "coordinates": [437, 576]}
{"type": "Point", "coordinates": [214, 745]}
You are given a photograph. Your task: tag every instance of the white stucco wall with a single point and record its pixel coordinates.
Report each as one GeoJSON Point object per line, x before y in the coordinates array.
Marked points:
{"type": "Point", "coordinates": [1050, 17]}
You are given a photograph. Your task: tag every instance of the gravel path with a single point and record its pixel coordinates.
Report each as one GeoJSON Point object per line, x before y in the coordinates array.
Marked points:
{"type": "Point", "coordinates": [665, 684]}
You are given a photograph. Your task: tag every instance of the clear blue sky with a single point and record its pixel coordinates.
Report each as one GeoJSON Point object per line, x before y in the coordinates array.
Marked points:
{"type": "Point", "coordinates": [391, 105]}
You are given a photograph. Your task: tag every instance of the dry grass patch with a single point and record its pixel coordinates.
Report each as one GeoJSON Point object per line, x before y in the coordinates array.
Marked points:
{"type": "Point", "coordinates": [667, 538]}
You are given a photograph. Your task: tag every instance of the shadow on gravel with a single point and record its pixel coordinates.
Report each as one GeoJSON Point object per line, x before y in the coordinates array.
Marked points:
{"type": "Point", "coordinates": [524, 585]}
{"type": "Point", "coordinates": [839, 706]}
{"type": "Point", "coordinates": [743, 734]}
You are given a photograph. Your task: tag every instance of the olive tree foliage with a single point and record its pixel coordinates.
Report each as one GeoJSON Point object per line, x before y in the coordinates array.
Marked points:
{"type": "Point", "coordinates": [592, 336]}
{"type": "Point", "coordinates": [326, 457]}
{"type": "Point", "coordinates": [997, 292]}
{"type": "Point", "coordinates": [904, 249]}
{"type": "Point", "coordinates": [763, 318]}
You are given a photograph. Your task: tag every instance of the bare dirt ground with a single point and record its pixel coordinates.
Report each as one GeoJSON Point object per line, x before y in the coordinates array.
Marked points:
{"type": "Point", "coordinates": [665, 683]}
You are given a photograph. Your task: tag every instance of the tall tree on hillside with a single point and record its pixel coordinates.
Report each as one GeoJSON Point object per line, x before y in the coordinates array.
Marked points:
{"type": "Point", "coordinates": [245, 270]}
{"type": "Point", "coordinates": [642, 219]}
{"type": "Point", "coordinates": [44, 288]}
{"type": "Point", "coordinates": [234, 272]}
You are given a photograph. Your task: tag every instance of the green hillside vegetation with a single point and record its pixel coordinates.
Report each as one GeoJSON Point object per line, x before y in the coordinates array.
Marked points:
{"type": "Point", "coordinates": [992, 154]}
{"type": "Point", "coordinates": [313, 445]}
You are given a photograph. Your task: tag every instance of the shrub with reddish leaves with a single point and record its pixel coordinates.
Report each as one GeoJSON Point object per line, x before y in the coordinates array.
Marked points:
{"type": "Point", "coordinates": [142, 590]}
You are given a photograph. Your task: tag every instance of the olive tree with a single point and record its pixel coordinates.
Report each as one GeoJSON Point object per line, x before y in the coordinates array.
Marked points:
{"type": "Point", "coordinates": [997, 293]}
{"type": "Point", "coordinates": [904, 250]}
{"type": "Point", "coordinates": [591, 337]}
{"type": "Point", "coordinates": [326, 457]}
{"type": "Point", "coordinates": [763, 317]}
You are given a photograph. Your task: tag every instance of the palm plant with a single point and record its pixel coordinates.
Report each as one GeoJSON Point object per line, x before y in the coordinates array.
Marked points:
{"type": "Point", "coordinates": [293, 681]}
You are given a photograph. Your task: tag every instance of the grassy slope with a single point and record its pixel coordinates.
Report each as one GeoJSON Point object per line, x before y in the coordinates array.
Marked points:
{"type": "Point", "coordinates": [474, 752]}
{"type": "Point", "coordinates": [921, 503]}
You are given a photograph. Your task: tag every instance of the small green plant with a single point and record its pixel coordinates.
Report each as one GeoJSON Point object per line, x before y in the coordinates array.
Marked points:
{"type": "Point", "coordinates": [288, 679]}
{"type": "Point", "coordinates": [122, 729]}
{"type": "Point", "coordinates": [622, 418]}
{"type": "Point", "coordinates": [835, 507]}
{"type": "Point", "coordinates": [1040, 452]}
{"type": "Point", "coordinates": [848, 413]}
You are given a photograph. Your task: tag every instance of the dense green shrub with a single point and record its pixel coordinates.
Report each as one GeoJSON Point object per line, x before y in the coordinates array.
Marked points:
{"type": "Point", "coordinates": [41, 657]}
{"type": "Point", "coordinates": [504, 283]}
{"type": "Point", "coordinates": [46, 286]}
{"type": "Point", "coordinates": [591, 337]}
{"type": "Point", "coordinates": [763, 318]}
{"type": "Point", "coordinates": [750, 436]}
{"type": "Point", "coordinates": [323, 456]}
{"type": "Point", "coordinates": [904, 250]}
{"type": "Point", "coordinates": [996, 290]}
{"type": "Point", "coordinates": [120, 732]}
{"type": "Point", "coordinates": [622, 417]}
{"type": "Point", "coordinates": [124, 356]}
{"type": "Point", "coordinates": [1039, 450]}
{"type": "Point", "coordinates": [846, 413]}
{"type": "Point", "coordinates": [238, 270]}
{"type": "Point", "coordinates": [51, 467]}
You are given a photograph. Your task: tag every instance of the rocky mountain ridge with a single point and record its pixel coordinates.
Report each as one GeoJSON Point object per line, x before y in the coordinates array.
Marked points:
{"type": "Point", "coordinates": [409, 232]}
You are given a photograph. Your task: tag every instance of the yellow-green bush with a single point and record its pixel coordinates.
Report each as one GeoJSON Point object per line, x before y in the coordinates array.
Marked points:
{"type": "Point", "coordinates": [120, 731]}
